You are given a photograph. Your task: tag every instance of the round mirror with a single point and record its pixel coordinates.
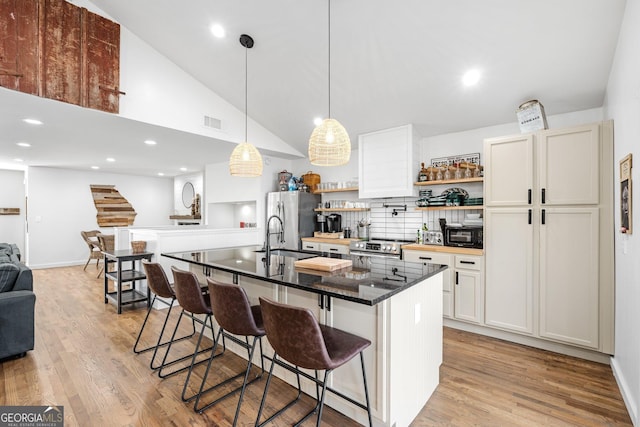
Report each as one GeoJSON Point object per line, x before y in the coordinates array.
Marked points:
{"type": "Point", "coordinates": [188, 193]}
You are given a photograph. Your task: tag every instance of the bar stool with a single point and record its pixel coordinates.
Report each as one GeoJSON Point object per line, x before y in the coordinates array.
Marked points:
{"type": "Point", "coordinates": [190, 298]}
{"type": "Point", "coordinates": [298, 338]}
{"type": "Point", "coordinates": [161, 288]}
{"type": "Point", "coordinates": [235, 316]}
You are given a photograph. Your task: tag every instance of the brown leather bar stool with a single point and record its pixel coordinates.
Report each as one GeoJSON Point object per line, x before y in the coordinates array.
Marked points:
{"type": "Point", "coordinates": [316, 347]}
{"type": "Point", "coordinates": [190, 298]}
{"type": "Point", "coordinates": [161, 288]}
{"type": "Point", "coordinates": [235, 316]}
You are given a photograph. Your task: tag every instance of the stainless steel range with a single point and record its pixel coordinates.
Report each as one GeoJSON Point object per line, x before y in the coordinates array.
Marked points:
{"type": "Point", "coordinates": [388, 248]}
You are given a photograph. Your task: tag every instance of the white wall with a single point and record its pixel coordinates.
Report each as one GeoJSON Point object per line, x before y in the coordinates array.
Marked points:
{"type": "Point", "coordinates": [471, 141]}
{"type": "Point", "coordinates": [61, 205]}
{"type": "Point", "coordinates": [161, 93]}
{"type": "Point", "coordinates": [622, 104]}
{"type": "Point", "coordinates": [220, 187]}
{"type": "Point", "coordinates": [12, 196]}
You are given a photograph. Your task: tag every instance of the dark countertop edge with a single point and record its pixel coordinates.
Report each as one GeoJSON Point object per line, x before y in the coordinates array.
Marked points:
{"type": "Point", "coordinates": [370, 302]}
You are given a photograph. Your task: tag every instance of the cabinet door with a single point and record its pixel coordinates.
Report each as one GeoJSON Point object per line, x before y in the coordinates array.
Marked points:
{"type": "Point", "coordinates": [569, 161]}
{"type": "Point", "coordinates": [386, 163]}
{"type": "Point", "coordinates": [19, 45]}
{"type": "Point", "coordinates": [447, 275]}
{"type": "Point", "coordinates": [508, 171]}
{"type": "Point", "coordinates": [61, 51]}
{"type": "Point", "coordinates": [509, 269]}
{"type": "Point", "coordinates": [569, 275]}
{"type": "Point", "coordinates": [468, 296]}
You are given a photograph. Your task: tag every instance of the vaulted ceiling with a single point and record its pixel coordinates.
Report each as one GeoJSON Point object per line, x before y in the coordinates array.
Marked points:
{"type": "Point", "coordinates": [392, 62]}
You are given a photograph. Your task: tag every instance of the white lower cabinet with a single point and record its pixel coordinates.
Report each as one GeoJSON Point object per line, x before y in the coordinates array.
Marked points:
{"type": "Point", "coordinates": [468, 291]}
{"type": "Point", "coordinates": [331, 248]}
{"type": "Point", "coordinates": [334, 248]}
{"type": "Point", "coordinates": [447, 279]}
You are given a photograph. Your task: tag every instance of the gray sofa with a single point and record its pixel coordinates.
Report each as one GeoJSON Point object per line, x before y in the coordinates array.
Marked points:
{"type": "Point", "coordinates": [17, 304]}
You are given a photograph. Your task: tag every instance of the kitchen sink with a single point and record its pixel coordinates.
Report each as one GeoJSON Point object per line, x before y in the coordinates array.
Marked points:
{"type": "Point", "coordinates": [290, 253]}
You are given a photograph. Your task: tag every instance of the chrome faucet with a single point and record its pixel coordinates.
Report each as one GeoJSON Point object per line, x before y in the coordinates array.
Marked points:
{"type": "Point", "coordinates": [268, 233]}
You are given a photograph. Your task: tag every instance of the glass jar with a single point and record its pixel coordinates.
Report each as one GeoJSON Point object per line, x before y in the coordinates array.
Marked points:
{"type": "Point", "coordinates": [447, 174]}
{"type": "Point", "coordinates": [458, 173]}
{"type": "Point", "coordinates": [467, 173]}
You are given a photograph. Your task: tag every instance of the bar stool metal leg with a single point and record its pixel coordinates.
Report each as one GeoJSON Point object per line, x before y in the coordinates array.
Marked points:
{"type": "Point", "coordinates": [266, 390]}
{"type": "Point", "coordinates": [198, 351]}
{"type": "Point", "coordinates": [159, 343]}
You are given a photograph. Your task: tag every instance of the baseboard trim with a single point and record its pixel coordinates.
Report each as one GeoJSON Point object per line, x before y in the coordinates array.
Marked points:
{"type": "Point", "coordinates": [63, 264]}
{"type": "Point", "coordinates": [624, 391]}
{"type": "Point", "coordinates": [568, 350]}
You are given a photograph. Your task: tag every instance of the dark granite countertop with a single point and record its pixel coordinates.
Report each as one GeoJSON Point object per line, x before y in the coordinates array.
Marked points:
{"type": "Point", "coordinates": [368, 281]}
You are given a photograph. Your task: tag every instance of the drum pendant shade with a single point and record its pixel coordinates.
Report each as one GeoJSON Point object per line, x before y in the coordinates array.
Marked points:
{"type": "Point", "coordinates": [329, 144]}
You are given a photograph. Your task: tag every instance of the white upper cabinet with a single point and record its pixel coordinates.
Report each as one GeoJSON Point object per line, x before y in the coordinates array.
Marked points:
{"type": "Point", "coordinates": [508, 171]}
{"type": "Point", "coordinates": [387, 162]}
{"type": "Point", "coordinates": [553, 167]}
{"type": "Point", "coordinates": [568, 166]}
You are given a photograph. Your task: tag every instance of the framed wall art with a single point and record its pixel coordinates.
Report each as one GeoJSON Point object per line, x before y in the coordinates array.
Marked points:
{"type": "Point", "coordinates": [625, 195]}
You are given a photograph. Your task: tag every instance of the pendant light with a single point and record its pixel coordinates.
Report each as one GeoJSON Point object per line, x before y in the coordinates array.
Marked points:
{"type": "Point", "coordinates": [245, 159]}
{"type": "Point", "coordinates": [329, 144]}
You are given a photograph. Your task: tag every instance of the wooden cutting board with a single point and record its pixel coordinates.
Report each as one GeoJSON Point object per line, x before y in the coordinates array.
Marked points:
{"type": "Point", "coordinates": [323, 263]}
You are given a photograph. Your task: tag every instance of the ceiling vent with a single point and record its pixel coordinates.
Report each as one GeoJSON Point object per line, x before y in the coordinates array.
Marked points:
{"type": "Point", "coordinates": [212, 122]}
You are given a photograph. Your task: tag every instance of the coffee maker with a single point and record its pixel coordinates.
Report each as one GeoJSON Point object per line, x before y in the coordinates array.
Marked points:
{"type": "Point", "coordinates": [321, 221]}
{"type": "Point", "coordinates": [334, 223]}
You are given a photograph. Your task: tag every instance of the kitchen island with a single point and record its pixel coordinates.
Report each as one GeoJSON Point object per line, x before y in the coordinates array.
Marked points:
{"type": "Point", "coordinates": [395, 304]}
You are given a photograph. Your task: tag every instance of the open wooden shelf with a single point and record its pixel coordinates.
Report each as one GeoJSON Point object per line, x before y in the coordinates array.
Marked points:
{"type": "Point", "coordinates": [449, 208]}
{"type": "Point", "coordinates": [341, 209]}
{"type": "Point", "coordinates": [449, 181]}
{"type": "Point", "coordinates": [335, 190]}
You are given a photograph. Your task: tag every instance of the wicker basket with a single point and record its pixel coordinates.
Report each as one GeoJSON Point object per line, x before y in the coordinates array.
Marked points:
{"type": "Point", "coordinates": [311, 180]}
{"type": "Point", "coordinates": [138, 245]}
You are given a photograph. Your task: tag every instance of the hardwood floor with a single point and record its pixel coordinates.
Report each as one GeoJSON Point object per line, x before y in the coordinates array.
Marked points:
{"type": "Point", "coordinates": [83, 361]}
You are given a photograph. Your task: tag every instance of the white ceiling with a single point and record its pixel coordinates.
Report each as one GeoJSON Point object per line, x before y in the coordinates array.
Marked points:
{"type": "Point", "coordinates": [392, 63]}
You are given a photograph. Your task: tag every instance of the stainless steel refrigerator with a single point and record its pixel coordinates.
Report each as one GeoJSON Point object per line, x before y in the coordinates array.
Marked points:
{"type": "Point", "coordinates": [296, 210]}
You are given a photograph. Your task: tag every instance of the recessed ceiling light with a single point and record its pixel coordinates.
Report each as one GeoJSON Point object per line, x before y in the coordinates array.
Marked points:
{"type": "Point", "coordinates": [317, 121]}
{"type": "Point", "coordinates": [218, 31]}
{"type": "Point", "coordinates": [471, 77]}
{"type": "Point", "coordinates": [160, 174]}
{"type": "Point", "coordinates": [95, 167]}
{"type": "Point", "coordinates": [150, 142]}
{"type": "Point", "coordinates": [23, 144]}
{"type": "Point", "coordinates": [183, 169]}
{"type": "Point", "coordinates": [32, 121]}
{"type": "Point", "coordinates": [110, 159]}
{"type": "Point", "coordinates": [18, 160]}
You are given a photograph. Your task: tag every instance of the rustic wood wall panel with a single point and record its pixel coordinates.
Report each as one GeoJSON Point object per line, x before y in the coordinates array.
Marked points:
{"type": "Point", "coordinates": [57, 50]}
{"type": "Point", "coordinates": [102, 63]}
{"type": "Point", "coordinates": [61, 51]}
{"type": "Point", "coordinates": [113, 209]}
{"type": "Point", "coordinates": [19, 45]}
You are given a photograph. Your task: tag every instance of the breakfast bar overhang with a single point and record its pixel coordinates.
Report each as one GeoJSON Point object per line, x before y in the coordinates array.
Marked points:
{"type": "Point", "coordinates": [395, 304]}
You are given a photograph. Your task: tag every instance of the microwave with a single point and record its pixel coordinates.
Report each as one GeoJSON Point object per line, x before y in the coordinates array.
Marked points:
{"type": "Point", "coordinates": [463, 237]}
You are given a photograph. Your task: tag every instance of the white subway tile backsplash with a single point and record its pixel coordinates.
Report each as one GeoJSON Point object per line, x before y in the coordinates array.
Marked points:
{"type": "Point", "coordinates": [405, 224]}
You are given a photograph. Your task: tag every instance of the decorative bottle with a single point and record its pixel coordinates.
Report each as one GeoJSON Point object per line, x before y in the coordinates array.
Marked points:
{"type": "Point", "coordinates": [423, 176]}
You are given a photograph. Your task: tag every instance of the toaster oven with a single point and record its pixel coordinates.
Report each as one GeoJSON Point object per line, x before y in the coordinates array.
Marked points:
{"type": "Point", "coordinates": [463, 237]}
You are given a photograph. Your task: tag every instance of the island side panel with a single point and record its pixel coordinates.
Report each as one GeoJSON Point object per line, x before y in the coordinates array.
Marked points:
{"type": "Point", "coordinates": [415, 349]}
